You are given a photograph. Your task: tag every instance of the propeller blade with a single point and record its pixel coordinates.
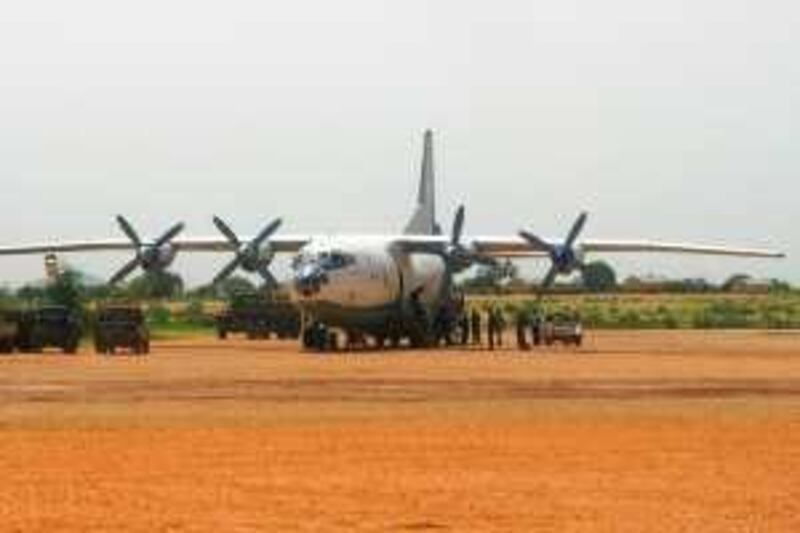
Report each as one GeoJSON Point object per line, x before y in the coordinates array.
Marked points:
{"type": "Point", "coordinates": [549, 278]}
{"type": "Point", "coordinates": [123, 272]}
{"type": "Point", "coordinates": [128, 230]}
{"type": "Point", "coordinates": [576, 229]}
{"type": "Point", "coordinates": [269, 279]}
{"type": "Point", "coordinates": [271, 228]}
{"type": "Point", "coordinates": [458, 226]}
{"type": "Point", "coordinates": [228, 270]}
{"type": "Point", "coordinates": [226, 230]}
{"type": "Point", "coordinates": [169, 234]}
{"type": "Point", "coordinates": [537, 242]}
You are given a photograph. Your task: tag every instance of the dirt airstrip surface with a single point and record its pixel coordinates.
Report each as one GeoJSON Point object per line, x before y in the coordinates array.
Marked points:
{"type": "Point", "coordinates": [654, 431]}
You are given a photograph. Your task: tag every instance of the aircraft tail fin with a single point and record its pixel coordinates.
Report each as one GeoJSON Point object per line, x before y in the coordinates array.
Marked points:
{"type": "Point", "coordinates": [423, 221]}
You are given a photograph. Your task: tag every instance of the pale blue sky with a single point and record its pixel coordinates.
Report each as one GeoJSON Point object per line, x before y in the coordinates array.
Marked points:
{"type": "Point", "coordinates": [671, 120]}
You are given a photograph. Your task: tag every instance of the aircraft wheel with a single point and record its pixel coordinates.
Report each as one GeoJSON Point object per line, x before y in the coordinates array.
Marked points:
{"type": "Point", "coordinates": [380, 341]}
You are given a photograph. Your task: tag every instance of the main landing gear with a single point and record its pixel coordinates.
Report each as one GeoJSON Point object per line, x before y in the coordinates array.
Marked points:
{"type": "Point", "coordinates": [321, 338]}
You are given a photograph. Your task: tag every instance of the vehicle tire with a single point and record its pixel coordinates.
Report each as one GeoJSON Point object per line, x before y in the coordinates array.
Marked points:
{"type": "Point", "coordinates": [222, 334]}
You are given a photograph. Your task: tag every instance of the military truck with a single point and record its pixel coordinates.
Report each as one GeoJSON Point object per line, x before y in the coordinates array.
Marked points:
{"type": "Point", "coordinates": [9, 330]}
{"type": "Point", "coordinates": [258, 317]}
{"type": "Point", "coordinates": [121, 326]}
{"type": "Point", "coordinates": [54, 326]}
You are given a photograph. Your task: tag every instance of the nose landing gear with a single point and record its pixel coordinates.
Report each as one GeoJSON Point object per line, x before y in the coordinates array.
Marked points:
{"type": "Point", "coordinates": [317, 336]}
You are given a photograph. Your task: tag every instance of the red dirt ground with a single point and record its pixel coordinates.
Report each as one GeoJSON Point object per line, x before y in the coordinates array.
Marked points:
{"type": "Point", "coordinates": [678, 431]}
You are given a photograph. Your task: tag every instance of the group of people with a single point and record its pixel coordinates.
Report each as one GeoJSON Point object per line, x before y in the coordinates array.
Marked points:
{"type": "Point", "coordinates": [472, 326]}
{"type": "Point", "coordinates": [529, 328]}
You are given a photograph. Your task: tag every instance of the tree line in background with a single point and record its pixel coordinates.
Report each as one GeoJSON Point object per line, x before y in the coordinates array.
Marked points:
{"type": "Point", "coordinates": [739, 302]}
{"type": "Point", "coordinates": [600, 277]}
{"type": "Point", "coordinates": [71, 288]}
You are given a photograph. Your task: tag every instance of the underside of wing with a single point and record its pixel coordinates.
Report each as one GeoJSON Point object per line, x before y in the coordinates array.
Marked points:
{"type": "Point", "coordinates": [645, 246]}
{"type": "Point", "coordinates": [110, 245]}
{"type": "Point", "coordinates": [280, 244]}
{"type": "Point", "coordinates": [516, 247]}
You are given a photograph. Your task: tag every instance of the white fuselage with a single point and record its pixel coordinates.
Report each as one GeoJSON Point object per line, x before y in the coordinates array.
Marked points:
{"type": "Point", "coordinates": [353, 281]}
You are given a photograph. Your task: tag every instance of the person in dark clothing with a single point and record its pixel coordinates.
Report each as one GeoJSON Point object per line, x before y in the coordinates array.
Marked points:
{"type": "Point", "coordinates": [463, 322]}
{"type": "Point", "coordinates": [522, 327]}
{"type": "Point", "coordinates": [475, 319]}
{"type": "Point", "coordinates": [536, 329]}
{"type": "Point", "coordinates": [499, 324]}
{"type": "Point", "coordinates": [491, 323]}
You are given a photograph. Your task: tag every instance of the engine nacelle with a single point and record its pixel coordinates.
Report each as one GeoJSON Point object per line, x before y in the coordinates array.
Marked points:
{"type": "Point", "coordinates": [157, 259]}
{"type": "Point", "coordinates": [253, 260]}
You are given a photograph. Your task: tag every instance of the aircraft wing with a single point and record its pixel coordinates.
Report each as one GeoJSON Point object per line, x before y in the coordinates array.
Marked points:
{"type": "Point", "coordinates": [281, 244]}
{"type": "Point", "coordinates": [516, 247]}
{"type": "Point", "coordinates": [645, 246]}
{"type": "Point", "coordinates": [494, 246]}
{"type": "Point", "coordinates": [510, 246]}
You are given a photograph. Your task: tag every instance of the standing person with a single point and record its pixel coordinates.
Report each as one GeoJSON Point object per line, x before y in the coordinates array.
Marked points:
{"type": "Point", "coordinates": [463, 322]}
{"type": "Point", "coordinates": [491, 322]}
{"type": "Point", "coordinates": [476, 326]}
{"type": "Point", "coordinates": [522, 326]}
{"type": "Point", "coordinates": [499, 324]}
{"type": "Point", "coordinates": [536, 328]}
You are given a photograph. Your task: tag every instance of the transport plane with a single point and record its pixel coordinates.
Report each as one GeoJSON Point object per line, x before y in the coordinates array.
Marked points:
{"type": "Point", "coordinates": [384, 287]}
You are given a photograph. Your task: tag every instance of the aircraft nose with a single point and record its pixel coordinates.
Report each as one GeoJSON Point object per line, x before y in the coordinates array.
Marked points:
{"type": "Point", "coordinates": [309, 279]}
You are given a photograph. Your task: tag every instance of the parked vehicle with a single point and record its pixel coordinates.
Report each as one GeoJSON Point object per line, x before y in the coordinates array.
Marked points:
{"type": "Point", "coordinates": [121, 326]}
{"type": "Point", "coordinates": [54, 326]}
{"type": "Point", "coordinates": [258, 318]}
{"type": "Point", "coordinates": [9, 330]}
{"type": "Point", "coordinates": [562, 328]}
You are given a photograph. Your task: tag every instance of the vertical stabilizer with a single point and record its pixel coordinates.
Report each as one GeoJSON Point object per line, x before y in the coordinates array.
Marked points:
{"type": "Point", "coordinates": [423, 221]}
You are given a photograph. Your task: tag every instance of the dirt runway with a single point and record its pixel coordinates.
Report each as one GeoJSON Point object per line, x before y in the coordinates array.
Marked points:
{"type": "Point", "coordinates": [656, 431]}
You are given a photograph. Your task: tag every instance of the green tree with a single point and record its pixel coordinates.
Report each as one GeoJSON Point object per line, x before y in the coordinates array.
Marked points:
{"type": "Point", "coordinates": [598, 276]}
{"type": "Point", "coordinates": [156, 285]}
{"type": "Point", "coordinates": [226, 288]}
{"type": "Point", "coordinates": [735, 282]}
{"type": "Point", "coordinates": [67, 289]}
{"type": "Point", "coordinates": [492, 275]}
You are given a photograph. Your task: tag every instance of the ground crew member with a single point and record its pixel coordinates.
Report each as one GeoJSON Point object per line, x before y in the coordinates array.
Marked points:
{"type": "Point", "coordinates": [463, 322]}
{"type": "Point", "coordinates": [491, 323]}
{"type": "Point", "coordinates": [522, 326]}
{"type": "Point", "coordinates": [536, 329]}
{"type": "Point", "coordinates": [499, 324]}
{"type": "Point", "coordinates": [476, 326]}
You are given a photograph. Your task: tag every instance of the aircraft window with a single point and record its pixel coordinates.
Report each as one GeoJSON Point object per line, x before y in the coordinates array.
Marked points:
{"type": "Point", "coordinates": [336, 260]}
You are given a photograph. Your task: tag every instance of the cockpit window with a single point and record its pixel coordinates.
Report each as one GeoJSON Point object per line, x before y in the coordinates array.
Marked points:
{"type": "Point", "coordinates": [335, 260]}
{"type": "Point", "coordinates": [328, 260]}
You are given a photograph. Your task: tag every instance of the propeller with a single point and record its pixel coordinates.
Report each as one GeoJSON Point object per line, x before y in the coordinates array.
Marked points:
{"type": "Point", "coordinates": [155, 256]}
{"type": "Point", "coordinates": [250, 256]}
{"type": "Point", "coordinates": [565, 257]}
{"type": "Point", "coordinates": [458, 256]}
